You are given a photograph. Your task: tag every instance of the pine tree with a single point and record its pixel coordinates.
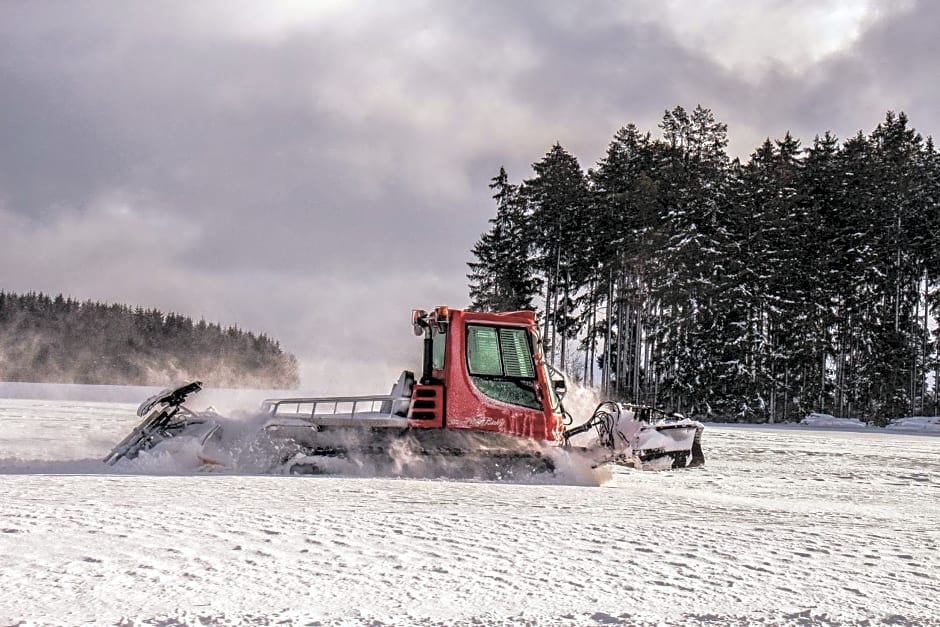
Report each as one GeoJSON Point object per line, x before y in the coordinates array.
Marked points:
{"type": "Point", "coordinates": [625, 209]}
{"type": "Point", "coordinates": [502, 277]}
{"type": "Point", "coordinates": [558, 201]}
{"type": "Point", "coordinates": [693, 179]}
{"type": "Point", "coordinates": [826, 270]}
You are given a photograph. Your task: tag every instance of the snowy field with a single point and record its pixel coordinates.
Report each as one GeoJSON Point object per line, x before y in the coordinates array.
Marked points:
{"type": "Point", "coordinates": [783, 526]}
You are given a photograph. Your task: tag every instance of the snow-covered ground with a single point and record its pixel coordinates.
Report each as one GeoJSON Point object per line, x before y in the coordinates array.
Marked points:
{"type": "Point", "coordinates": [782, 526]}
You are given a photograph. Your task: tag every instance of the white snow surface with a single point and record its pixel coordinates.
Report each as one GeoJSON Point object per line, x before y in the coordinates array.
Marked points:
{"type": "Point", "coordinates": [782, 526]}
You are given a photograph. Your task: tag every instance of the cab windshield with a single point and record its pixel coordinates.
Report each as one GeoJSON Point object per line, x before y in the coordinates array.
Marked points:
{"type": "Point", "coordinates": [500, 363]}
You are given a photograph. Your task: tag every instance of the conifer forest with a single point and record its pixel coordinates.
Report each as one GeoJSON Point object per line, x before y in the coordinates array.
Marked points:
{"type": "Point", "coordinates": [804, 278]}
{"type": "Point", "coordinates": [61, 340]}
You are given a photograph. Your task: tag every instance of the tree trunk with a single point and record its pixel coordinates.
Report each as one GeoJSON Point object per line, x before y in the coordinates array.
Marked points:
{"type": "Point", "coordinates": [607, 346]}
{"type": "Point", "coordinates": [548, 314]}
{"type": "Point", "coordinates": [636, 346]}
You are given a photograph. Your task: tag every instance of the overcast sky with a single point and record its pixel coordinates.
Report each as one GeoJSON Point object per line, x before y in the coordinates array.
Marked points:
{"type": "Point", "coordinates": [317, 170]}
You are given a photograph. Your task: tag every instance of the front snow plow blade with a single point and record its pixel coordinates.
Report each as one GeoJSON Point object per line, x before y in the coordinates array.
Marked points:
{"type": "Point", "coordinates": [164, 416]}
{"type": "Point", "coordinates": [643, 437]}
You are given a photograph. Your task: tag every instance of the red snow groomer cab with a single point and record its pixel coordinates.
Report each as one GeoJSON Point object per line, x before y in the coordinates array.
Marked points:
{"type": "Point", "coordinates": [484, 372]}
{"type": "Point", "coordinates": [485, 392]}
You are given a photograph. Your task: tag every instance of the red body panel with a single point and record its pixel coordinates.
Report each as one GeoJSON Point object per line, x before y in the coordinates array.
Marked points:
{"type": "Point", "coordinates": [427, 407]}
{"type": "Point", "coordinates": [466, 407]}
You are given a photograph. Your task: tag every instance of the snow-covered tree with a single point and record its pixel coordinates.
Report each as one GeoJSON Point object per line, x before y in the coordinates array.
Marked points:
{"type": "Point", "coordinates": [502, 278]}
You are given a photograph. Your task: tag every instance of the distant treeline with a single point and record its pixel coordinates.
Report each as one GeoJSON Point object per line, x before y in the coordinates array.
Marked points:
{"type": "Point", "coordinates": [61, 340]}
{"type": "Point", "coordinates": [804, 278]}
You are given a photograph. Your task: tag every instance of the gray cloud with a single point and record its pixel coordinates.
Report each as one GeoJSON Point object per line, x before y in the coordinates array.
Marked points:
{"type": "Point", "coordinates": [299, 171]}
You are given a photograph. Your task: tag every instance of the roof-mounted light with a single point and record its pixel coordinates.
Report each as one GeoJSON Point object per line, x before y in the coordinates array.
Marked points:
{"type": "Point", "coordinates": [440, 318]}
{"type": "Point", "coordinates": [419, 321]}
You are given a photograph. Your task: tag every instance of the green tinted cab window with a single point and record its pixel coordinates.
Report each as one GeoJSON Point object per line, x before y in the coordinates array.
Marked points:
{"type": "Point", "coordinates": [438, 343]}
{"type": "Point", "coordinates": [517, 358]}
{"type": "Point", "coordinates": [483, 351]}
{"type": "Point", "coordinates": [501, 366]}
